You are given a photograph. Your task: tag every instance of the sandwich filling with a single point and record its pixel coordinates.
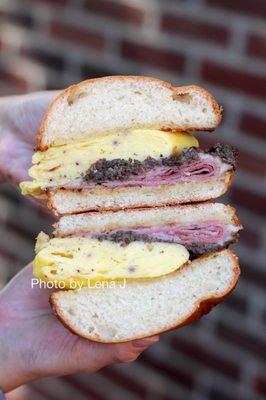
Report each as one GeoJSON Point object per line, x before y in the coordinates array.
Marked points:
{"type": "Point", "coordinates": [128, 253]}
{"type": "Point", "coordinates": [134, 158]}
{"type": "Point", "coordinates": [198, 238]}
{"type": "Point", "coordinates": [191, 165]}
{"type": "Point", "coordinates": [84, 260]}
{"type": "Point", "coordinates": [67, 165]}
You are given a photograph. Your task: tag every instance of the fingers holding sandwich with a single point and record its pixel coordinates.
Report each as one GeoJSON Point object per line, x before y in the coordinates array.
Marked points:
{"type": "Point", "coordinates": [116, 159]}
{"type": "Point", "coordinates": [130, 351]}
{"type": "Point", "coordinates": [88, 356]}
{"type": "Point", "coordinates": [124, 352]}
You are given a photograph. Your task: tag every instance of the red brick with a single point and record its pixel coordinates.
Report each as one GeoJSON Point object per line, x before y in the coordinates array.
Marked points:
{"type": "Point", "coordinates": [254, 7]}
{"type": "Point", "coordinates": [260, 385]}
{"type": "Point", "coordinates": [251, 163]}
{"type": "Point", "coordinates": [256, 46]}
{"type": "Point", "coordinates": [153, 56]}
{"type": "Point", "coordinates": [111, 9]}
{"type": "Point", "coordinates": [76, 35]}
{"type": "Point", "coordinates": [194, 28]}
{"type": "Point", "coordinates": [164, 368]}
{"type": "Point", "coordinates": [226, 367]}
{"type": "Point", "coordinates": [253, 125]}
{"type": "Point", "coordinates": [242, 339]}
{"type": "Point", "coordinates": [13, 79]}
{"type": "Point", "coordinates": [232, 78]}
{"type": "Point", "coordinates": [247, 199]}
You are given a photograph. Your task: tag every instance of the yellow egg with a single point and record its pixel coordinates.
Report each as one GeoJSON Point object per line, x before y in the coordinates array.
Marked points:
{"type": "Point", "coordinates": [86, 260]}
{"type": "Point", "coordinates": [62, 164]}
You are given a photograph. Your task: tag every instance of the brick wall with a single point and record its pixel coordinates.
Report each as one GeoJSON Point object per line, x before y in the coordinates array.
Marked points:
{"type": "Point", "coordinates": [220, 44]}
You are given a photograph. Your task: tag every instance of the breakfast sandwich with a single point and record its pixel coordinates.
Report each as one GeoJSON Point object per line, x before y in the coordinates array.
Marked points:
{"type": "Point", "coordinates": [172, 260]}
{"type": "Point", "coordinates": [116, 159]}
{"type": "Point", "coordinates": [125, 142]}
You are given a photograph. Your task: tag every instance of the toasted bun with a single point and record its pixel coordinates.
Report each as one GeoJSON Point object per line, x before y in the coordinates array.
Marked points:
{"type": "Point", "coordinates": [147, 307]}
{"type": "Point", "coordinates": [113, 103]}
{"type": "Point", "coordinates": [76, 201]}
{"type": "Point", "coordinates": [109, 220]}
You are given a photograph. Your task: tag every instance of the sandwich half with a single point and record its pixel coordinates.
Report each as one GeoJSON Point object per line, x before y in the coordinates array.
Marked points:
{"type": "Point", "coordinates": [132, 244]}
{"type": "Point", "coordinates": [154, 255]}
{"type": "Point", "coordinates": [141, 308]}
{"type": "Point", "coordinates": [123, 142]}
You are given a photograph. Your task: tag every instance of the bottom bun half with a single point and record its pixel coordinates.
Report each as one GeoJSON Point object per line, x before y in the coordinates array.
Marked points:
{"type": "Point", "coordinates": [142, 308]}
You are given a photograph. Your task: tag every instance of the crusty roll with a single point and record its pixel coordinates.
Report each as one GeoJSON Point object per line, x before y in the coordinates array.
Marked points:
{"type": "Point", "coordinates": [115, 103]}
{"type": "Point", "coordinates": [147, 307]}
{"type": "Point", "coordinates": [124, 142]}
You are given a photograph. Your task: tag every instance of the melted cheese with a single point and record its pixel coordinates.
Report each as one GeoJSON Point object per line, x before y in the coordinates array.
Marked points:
{"type": "Point", "coordinates": [63, 164]}
{"type": "Point", "coordinates": [84, 260]}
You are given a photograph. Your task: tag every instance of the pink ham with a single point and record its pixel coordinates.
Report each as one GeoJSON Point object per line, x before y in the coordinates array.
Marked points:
{"type": "Point", "coordinates": [203, 232]}
{"type": "Point", "coordinates": [206, 232]}
{"type": "Point", "coordinates": [204, 168]}
{"type": "Point", "coordinates": [198, 170]}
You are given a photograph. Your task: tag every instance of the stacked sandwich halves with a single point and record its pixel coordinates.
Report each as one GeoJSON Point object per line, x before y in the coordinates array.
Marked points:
{"type": "Point", "coordinates": [116, 161]}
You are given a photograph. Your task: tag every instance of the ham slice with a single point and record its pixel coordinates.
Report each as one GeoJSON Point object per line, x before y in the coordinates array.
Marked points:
{"type": "Point", "coordinates": [198, 170]}
{"type": "Point", "coordinates": [207, 232]}
{"type": "Point", "coordinates": [203, 233]}
{"type": "Point", "coordinates": [205, 168]}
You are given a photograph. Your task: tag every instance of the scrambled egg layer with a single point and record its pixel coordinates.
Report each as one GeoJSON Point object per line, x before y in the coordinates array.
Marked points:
{"type": "Point", "coordinates": [87, 260]}
{"type": "Point", "coordinates": [63, 164]}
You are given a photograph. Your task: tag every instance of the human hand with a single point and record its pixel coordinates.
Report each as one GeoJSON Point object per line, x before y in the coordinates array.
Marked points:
{"type": "Point", "coordinates": [20, 118]}
{"type": "Point", "coordinates": [34, 344]}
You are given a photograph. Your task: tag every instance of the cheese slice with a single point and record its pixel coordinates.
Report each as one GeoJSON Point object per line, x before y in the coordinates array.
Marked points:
{"type": "Point", "coordinates": [63, 164]}
{"type": "Point", "coordinates": [83, 260]}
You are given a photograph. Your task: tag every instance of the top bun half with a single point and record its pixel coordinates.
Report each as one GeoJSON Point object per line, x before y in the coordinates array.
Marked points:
{"type": "Point", "coordinates": [113, 103]}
